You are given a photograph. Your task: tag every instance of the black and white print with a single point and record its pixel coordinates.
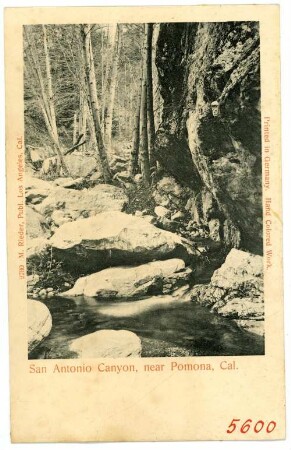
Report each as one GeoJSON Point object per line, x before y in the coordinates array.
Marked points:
{"type": "Point", "coordinates": [143, 181]}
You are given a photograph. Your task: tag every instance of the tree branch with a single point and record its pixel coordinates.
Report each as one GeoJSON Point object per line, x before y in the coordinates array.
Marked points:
{"type": "Point", "coordinates": [70, 150]}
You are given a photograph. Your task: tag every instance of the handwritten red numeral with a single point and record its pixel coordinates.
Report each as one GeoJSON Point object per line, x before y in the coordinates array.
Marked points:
{"type": "Point", "coordinates": [259, 426]}
{"type": "Point", "coordinates": [271, 426]}
{"type": "Point", "coordinates": [247, 426]}
{"type": "Point", "coordinates": [232, 425]}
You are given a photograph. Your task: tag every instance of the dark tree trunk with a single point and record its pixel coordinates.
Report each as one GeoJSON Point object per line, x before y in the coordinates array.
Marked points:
{"type": "Point", "coordinates": [144, 151]}
{"type": "Point", "coordinates": [136, 136]}
{"type": "Point", "coordinates": [150, 105]}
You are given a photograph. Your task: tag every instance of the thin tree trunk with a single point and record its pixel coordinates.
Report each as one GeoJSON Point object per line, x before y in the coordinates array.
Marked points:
{"type": "Point", "coordinates": [52, 104]}
{"type": "Point", "coordinates": [150, 104]}
{"type": "Point", "coordinates": [131, 111]}
{"type": "Point", "coordinates": [144, 153]}
{"type": "Point", "coordinates": [136, 135]}
{"type": "Point", "coordinates": [102, 74]}
{"type": "Point", "coordinates": [75, 128]}
{"type": "Point", "coordinates": [111, 33]}
{"type": "Point", "coordinates": [112, 80]}
{"type": "Point", "coordinates": [93, 99]}
{"type": "Point", "coordinates": [49, 82]}
{"type": "Point", "coordinates": [82, 129]}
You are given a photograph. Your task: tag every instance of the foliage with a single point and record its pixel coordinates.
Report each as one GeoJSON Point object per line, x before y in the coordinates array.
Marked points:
{"type": "Point", "coordinates": [50, 271]}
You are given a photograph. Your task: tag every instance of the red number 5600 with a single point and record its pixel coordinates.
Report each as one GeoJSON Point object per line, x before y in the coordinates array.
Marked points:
{"type": "Point", "coordinates": [246, 426]}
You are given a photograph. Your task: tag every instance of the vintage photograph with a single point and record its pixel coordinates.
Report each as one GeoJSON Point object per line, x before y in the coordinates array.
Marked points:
{"type": "Point", "coordinates": [143, 189]}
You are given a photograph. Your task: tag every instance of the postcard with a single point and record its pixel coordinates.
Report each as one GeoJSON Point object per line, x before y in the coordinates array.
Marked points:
{"type": "Point", "coordinates": [144, 223]}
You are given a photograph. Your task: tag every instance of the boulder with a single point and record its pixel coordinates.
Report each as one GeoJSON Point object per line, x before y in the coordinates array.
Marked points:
{"type": "Point", "coordinates": [96, 178]}
{"type": "Point", "coordinates": [161, 199]}
{"type": "Point", "coordinates": [236, 289]}
{"type": "Point", "coordinates": [35, 247]}
{"type": "Point", "coordinates": [149, 218]}
{"type": "Point", "coordinates": [168, 185]}
{"type": "Point", "coordinates": [169, 192]}
{"type": "Point", "coordinates": [107, 343]}
{"type": "Point", "coordinates": [36, 225]}
{"type": "Point", "coordinates": [70, 183]}
{"type": "Point", "coordinates": [36, 190]}
{"type": "Point", "coordinates": [161, 211]}
{"type": "Point", "coordinates": [241, 308]}
{"type": "Point", "coordinates": [159, 277]}
{"type": "Point", "coordinates": [59, 217]}
{"type": "Point", "coordinates": [252, 326]}
{"type": "Point", "coordinates": [80, 165]}
{"type": "Point", "coordinates": [241, 270]}
{"type": "Point", "coordinates": [35, 196]}
{"type": "Point", "coordinates": [86, 202]}
{"type": "Point", "coordinates": [37, 183]}
{"type": "Point", "coordinates": [39, 323]}
{"type": "Point", "coordinates": [167, 224]}
{"type": "Point", "coordinates": [178, 216]}
{"type": "Point", "coordinates": [110, 238]}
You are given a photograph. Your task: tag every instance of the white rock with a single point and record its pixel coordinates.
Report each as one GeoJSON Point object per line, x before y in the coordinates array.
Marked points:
{"type": "Point", "coordinates": [35, 247]}
{"type": "Point", "coordinates": [179, 215]}
{"type": "Point", "coordinates": [37, 184]}
{"type": "Point", "coordinates": [31, 280]}
{"type": "Point", "coordinates": [80, 165]}
{"type": "Point", "coordinates": [98, 199]}
{"type": "Point", "coordinates": [243, 308]}
{"type": "Point", "coordinates": [169, 185]}
{"type": "Point", "coordinates": [239, 268]}
{"type": "Point", "coordinates": [252, 326]}
{"type": "Point", "coordinates": [35, 224]}
{"type": "Point", "coordinates": [161, 211]}
{"type": "Point", "coordinates": [129, 282]}
{"type": "Point", "coordinates": [236, 290]}
{"type": "Point", "coordinates": [60, 217]}
{"type": "Point", "coordinates": [107, 343]}
{"type": "Point", "coordinates": [107, 238]}
{"type": "Point", "coordinates": [39, 323]}
{"type": "Point", "coordinates": [149, 218]}
{"type": "Point", "coordinates": [69, 182]}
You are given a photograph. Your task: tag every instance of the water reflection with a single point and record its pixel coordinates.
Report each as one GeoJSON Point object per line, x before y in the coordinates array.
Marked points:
{"type": "Point", "coordinates": [166, 326]}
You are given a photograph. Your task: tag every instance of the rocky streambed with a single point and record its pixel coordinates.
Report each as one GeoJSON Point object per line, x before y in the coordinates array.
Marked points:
{"type": "Point", "coordinates": [103, 282]}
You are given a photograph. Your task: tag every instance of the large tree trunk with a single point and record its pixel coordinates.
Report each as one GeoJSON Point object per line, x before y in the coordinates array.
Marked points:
{"type": "Point", "coordinates": [136, 135]}
{"type": "Point", "coordinates": [111, 88]}
{"type": "Point", "coordinates": [150, 105]}
{"type": "Point", "coordinates": [144, 153]}
{"type": "Point", "coordinates": [93, 99]}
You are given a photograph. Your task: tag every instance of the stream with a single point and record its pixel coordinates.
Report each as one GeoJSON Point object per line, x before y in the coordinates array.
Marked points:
{"type": "Point", "coordinates": [166, 327]}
